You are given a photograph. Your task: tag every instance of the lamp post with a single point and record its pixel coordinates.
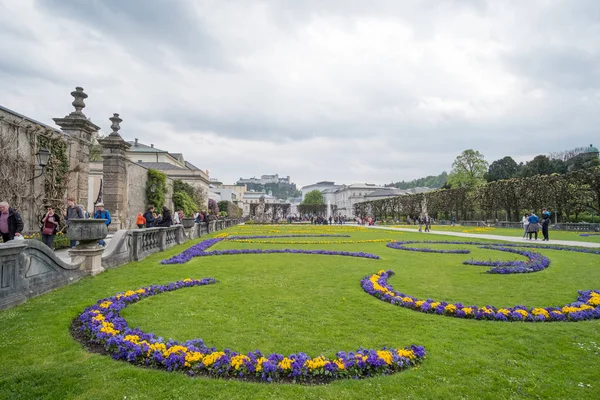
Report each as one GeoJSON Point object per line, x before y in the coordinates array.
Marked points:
{"type": "Point", "coordinates": [42, 156]}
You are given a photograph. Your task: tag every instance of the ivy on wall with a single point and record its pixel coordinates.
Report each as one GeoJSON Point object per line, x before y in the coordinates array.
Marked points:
{"type": "Point", "coordinates": [156, 188]}
{"type": "Point", "coordinates": [56, 173]}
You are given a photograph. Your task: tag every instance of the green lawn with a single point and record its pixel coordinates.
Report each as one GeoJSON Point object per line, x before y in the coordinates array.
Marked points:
{"type": "Point", "coordinates": [554, 234]}
{"type": "Point", "coordinates": [314, 303]}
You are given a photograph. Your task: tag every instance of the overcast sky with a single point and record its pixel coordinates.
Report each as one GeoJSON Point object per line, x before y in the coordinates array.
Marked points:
{"type": "Point", "coordinates": [342, 90]}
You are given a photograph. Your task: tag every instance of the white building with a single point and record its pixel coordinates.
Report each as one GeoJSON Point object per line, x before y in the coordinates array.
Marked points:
{"type": "Point", "coordinates": [264, 179]}
{"type": "Point", "coordinates": [251, 197]}
{"type": "Point", "coordinates": [344, 197]}
{"type": "Point", "coordinates": [320, 186]}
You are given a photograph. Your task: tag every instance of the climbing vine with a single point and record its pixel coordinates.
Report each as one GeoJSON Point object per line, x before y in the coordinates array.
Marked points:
{"type": "Point", "coordinates": [156, 188]}
{"type": "Point", "coordinates": [56, 173]}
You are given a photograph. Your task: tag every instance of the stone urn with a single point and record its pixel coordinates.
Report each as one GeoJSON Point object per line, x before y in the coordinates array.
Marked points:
{"type": "Point", "coordinates": [87, 231]}
{"type": "Point", "coordinates": [187, 222]}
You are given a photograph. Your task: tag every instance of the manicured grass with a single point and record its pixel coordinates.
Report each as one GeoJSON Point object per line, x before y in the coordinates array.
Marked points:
{"type": "Point", "coordinates": [289, 303]}
{"type": "Point", "coordinates": [514, 232]}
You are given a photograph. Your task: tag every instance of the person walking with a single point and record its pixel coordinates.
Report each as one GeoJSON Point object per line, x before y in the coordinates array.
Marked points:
{"type": "Point", "coordinates": [50, 222]}
{"type": "Point", "coordinates": [525, 223]}
{"type": "Point", "coordinates": [545, 223]}
{"type": "Point", "coordinates": [101, 213]}
{"type": "Point", "coordinates": [73, 211]}
{"type": "Point", "coordinates": [140, 221]}
{"type": "Point", "coordinates": [534, 225]}
{"type": "Point", "coordinates": [11, 224]}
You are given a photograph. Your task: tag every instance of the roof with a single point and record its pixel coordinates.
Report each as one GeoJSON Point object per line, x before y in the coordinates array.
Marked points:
{"type": "Point", "coordinates": [384, 193]}
{"type": "Point", "coordinates": [161, 166]}
{"type": "Point", "coordinates": [16, 114]}
{"type": "Point", "coordinates": [192, 166]}
{"type": "Point", "coordinates": [142, 148]}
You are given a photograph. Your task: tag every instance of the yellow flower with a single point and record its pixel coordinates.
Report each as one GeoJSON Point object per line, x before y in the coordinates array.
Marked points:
{"type": "Point", "coordinates": [339, 363]}
{"type": "Point", "coordinates": [406, 353]}
{"type": "Point", "coordinates": [237, 361]}
{"type": "Point", "coordinates": [259, 363]}
{"type": "Point", "coordinates": [540, 311]}
{"type": "Point", "coordinates": [451, 308]}
{"type": "Point", "coordinates": [407, 300]}
{"type": "Point", "coordinates": [193, 357]}
{"type": "Point", "coordinates": [211, 358]}
{"type": "Point", "coordinates": [524, 313]}
{"type": "Point", "coordinates": [105, 304]}
{"type": "Point", "coordinates": [286, 363]}
{"type": "Point", "coordinates": [468, 310]}
{"type": "Point", "coordinates": [385, 356]}
{"type": "Point", "coordinates": [316, 363]}
{"type": "Point", "coordinates": [595, 299]}
{"type": "Point", "coordinates": [504, 311]}
{"type": "Point", "coordinates": [132, 338]}
{"type": "Point", "coordinates": [419, 303]}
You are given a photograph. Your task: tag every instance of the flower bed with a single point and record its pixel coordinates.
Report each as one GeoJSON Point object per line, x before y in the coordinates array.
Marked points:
{"type": "Point", "coordinates": [535, 262]}
{"type": "Point", "coordinates": [102, 325]}
{"type": "Point", "coordinates": [312, 242]}
{"type": "Point", "coordinates": [586, 307]}
{"type": "Point", "coordinates": [199, 250]}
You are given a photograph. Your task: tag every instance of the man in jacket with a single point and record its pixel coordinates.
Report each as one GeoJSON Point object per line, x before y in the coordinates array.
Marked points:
{"type": "Point", "coordinates": [11, 224]}
{"type": "Point", "coordinates": [149, 216]}
{"type": "Point", "coordinates": [545, 223]}
{"type": "Point", "coordinates": [101, 213]}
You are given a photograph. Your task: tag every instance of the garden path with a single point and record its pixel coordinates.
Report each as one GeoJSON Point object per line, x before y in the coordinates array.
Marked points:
{"type": "Point", "coordinates": [494, 237]}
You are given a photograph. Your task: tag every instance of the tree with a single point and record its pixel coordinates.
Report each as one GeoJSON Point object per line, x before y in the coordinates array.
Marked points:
{"type": "Point", "coordinates": [468, 169]}
{"type": "Point", "coordinates": [313, 197]}
{"type": "Point", "coordinates": [156, 187]}
{"type": "Point", "coordinates": [505, 168]}
{"type": "Point", "coordinates": [540, 165]}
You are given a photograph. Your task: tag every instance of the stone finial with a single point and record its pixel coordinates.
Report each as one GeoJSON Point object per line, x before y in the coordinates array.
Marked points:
{"type": "Point", "coordinates": [115, 124]}
{"type": "Point", "coordinates": [78, 103]}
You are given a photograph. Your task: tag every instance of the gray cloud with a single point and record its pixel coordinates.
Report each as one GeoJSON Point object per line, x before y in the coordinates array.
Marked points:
{"type": "Point", "coordinates": [342, 90]}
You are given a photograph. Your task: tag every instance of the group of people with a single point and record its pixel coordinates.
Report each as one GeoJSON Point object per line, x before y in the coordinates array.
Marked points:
{"type": "Point", "coordinates": [425, 221]}
{"type": "Point", "coordinates": [151, 218]}
{"type": "Point", "coordinates": [531, 225]}
{"type": "Point", "coordinates": [11, 223]}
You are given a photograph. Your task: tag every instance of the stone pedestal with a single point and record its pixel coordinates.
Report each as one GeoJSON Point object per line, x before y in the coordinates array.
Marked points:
{"type": "Point", "coordinates": [87, 232]}
{"type": "Point", "coordinates": [92, 263]}
{"type": "Point", "coordinates": [115, 175]}
{"type": "Point", "coordinates": [80, 131]}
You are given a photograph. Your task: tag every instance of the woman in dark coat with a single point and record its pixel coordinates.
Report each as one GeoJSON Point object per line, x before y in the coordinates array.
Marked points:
{"type": "Point", "coordinates": [167, 219]}
{"type": "Point", "coordinates": [50, 222]}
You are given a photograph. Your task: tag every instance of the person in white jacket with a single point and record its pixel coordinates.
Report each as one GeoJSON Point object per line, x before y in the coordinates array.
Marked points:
{"type": "Point", "coordinates": [525, 223]}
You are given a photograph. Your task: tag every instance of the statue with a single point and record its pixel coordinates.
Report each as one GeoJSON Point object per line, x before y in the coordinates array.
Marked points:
{"type": "Point", "coordinates": [260, 216]}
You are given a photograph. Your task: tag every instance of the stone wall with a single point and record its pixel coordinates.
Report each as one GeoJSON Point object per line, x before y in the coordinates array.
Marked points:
{"type": "Point", "coordinates": [137, 177]}
{"type": "Point", "coordinates": [18, 141]}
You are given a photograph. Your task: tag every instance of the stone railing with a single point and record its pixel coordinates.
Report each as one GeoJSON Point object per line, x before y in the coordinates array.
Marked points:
{"type": "Point", "coordinates": [29, 268]}
{"type": "Point", "coordinates": [579, 227]}
{"type": "Point", "coordinates": [562, 226]}
{"type": "Point", "coordinates": [137, 244]}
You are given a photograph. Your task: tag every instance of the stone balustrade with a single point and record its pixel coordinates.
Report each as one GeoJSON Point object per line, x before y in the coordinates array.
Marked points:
{"type": "Point", "coordinates": [29, 268]}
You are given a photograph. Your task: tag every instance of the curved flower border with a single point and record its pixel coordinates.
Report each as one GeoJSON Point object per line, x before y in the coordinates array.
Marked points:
{"type": "Point", "coordinates": [586, 307]}
{"type": "Point", "coordinates": [313, 242]}
{"type": "Point", "coordinates": [535, 262]}
{"type": "Point", "coordinates": [101, 324]}
{"type": "Point", "coordinates": [199, 250]}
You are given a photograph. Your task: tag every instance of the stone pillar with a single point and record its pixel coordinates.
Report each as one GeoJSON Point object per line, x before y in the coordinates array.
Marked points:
{"type": "Point", "coordinates": [114, 184]}
{"type": "Point", "coordinates": [80, 131]}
